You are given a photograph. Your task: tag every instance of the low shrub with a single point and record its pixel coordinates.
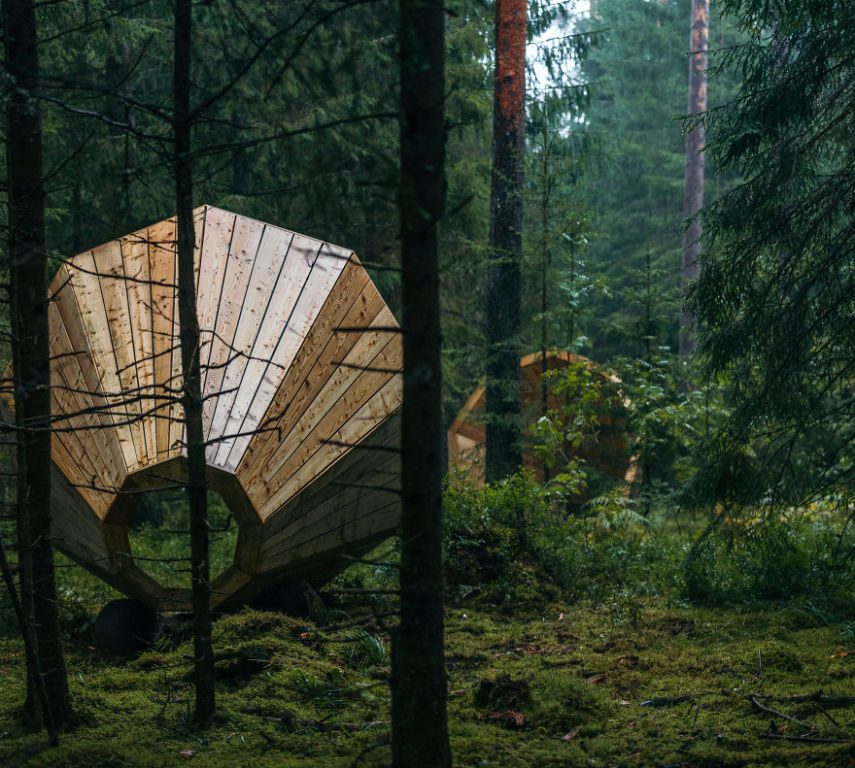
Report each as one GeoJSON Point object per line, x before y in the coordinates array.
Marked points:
{"type": "Point", "coordinates": [514, 543]}
{"type": "Point", "coordinates": [758, 557]}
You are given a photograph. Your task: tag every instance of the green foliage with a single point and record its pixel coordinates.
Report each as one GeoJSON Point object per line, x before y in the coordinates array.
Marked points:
{"type": "Point", "coordinates": [760, 557]}
{"type": "Point", "coordinates": [513, 545]}
{"type": "Point", "coordinates": [161, 542]}
{"type": "Point", "coordinates": [638, 77]}
{"type": "Point", "coordinates": [775, 297]}
{"type": "Point", "coordinates": [582, 444]}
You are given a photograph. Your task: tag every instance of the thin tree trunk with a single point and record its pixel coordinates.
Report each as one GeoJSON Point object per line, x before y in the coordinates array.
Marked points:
{"type": "Point", "coordinates": [28, 275]}
{"type": "Point", "coordinates": [419, 721]}
{"type": "Point", "coordinates": [506, 213]}
{"type": "Point", "coordinates": [192, 398]}
{"type": "Point", "coordinates": [545, 189]}
{"type": "Point", "coordinates": [693, 189]}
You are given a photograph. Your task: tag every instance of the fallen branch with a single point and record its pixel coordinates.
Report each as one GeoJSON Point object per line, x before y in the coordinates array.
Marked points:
{"type": "Point", "coordinates": [825, 699]}
{"type": "Point", "coordinates": [808, 739]}
{"type": "Point", "coordinates": [770, 711]}
{"type": "Point", "coordinates": [823, 712]}
{"type": "Point", "coordinates": [668, 701]}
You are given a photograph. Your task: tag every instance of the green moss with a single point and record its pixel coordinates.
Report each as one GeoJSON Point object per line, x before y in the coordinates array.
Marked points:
{"type": "Point", "coordinates": [575, 673]}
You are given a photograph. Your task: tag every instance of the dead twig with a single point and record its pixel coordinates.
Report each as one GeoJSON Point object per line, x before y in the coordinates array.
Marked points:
{"type": "Point", "coordinates": [668, 701]}
{"type": "Point", "coordinates": [818, 697]}
{"type": "Point", "coordinates": [770, 711]}
{"type": "Point", "coordinates": [806, 738]}
{"type": "Point", "coordinates": [823, 712]}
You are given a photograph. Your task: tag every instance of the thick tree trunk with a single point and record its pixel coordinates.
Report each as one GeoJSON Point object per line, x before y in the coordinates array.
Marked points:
{"type": "Point", "coordinates": [192, 397]}
{"type": "Point", "coordinates": [419, 723]}
{"type": "Point", "coordinates": [506, 214]}
{"type": "Point", "coordinates": [28, 276]}
{"type": "Point", "coordinates": [693, 189]}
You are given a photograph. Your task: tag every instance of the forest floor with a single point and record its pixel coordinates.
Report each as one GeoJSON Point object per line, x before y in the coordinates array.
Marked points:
{"type": "Point", "coordinates": [629, 684]}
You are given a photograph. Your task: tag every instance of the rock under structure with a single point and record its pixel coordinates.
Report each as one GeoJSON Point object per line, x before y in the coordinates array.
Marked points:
{"type": "Point", "coordinates": [301, 362]}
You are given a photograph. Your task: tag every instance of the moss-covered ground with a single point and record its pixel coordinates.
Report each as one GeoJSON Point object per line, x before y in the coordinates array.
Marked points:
{"type": "Point", "coordinates": [632, 683]}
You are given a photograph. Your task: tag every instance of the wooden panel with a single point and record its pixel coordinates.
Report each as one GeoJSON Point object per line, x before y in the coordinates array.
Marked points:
{"type": "Point", "coordinates": [372, 413]}
{"type": "Point", "coordinates": [161, 253]}
{"type": "Point", "coordinates": [256, 334]}
{"type": "Point", "coordinates": [213, 259]}
{"type": "Point", "coordinates": [338, 493]}
{"type": "Point", "coordinates": [226, 584]}
{"type": "Point", "coordinates": [377, 452]}
{"type": "Point", "coordinates": [136, 257]}
{"type": "Point", "coordinates": [307, 278]}
{"type": "Point", "coordinates": [99, 441]}
{"type": "Point", "coordinates": [245, 242]}
{"type": "Point", "coordinates": [354, 302]}
{"type": "Point", "coordinates": [344, 534]}
{"type": "Point", "coordinates": [109, 265]}
{"type": "Point", "coordinates": [70, 465]}
{"type": "Point", "coordinates": [64, 301]}
{"type": "Point", "coordinates": [363, 372]}
{"type": "Point", "coordinates": [176, 409]}
{"type": "Point", "coordinates": [93, 312]}
{"type": "Point", "coordinates": [75, 529]}
{"type": "Point", "coordinates": [200, 220]}
{"type": "Point", "coordinates": [219, 226]}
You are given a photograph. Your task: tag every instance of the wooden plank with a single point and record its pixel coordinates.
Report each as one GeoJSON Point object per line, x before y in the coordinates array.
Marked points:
{"type": "Point", "coordinates": [375, 521]}
{"type": "Point", "coordinates": [100, 443]}
{"type": "Point", "coordinates": [354, 302]}
{"type": "Point", "coordinates": [244, 245]}
{"type": "Point", "coordinates": [326, 265]}
{"type": "Point", "coordinates": [255, 334]}
{"type": "Point", "coordinates": [161, 254]}
{"type": "Point", "coordinates": [219, 226]}
{"type": "Point", "coordinates": [292, 281]}
{"type": "Point", "coordinates": [226, 584]}
{"type": "Point", "coordinates": [339, 495]}
{"type": "Point", "coordinates": [88, 291]}
{"type": "Point", "coordinates": [343, 529]}
{"type": "Point", "coordinates": [200, 220]}
{"type": "Point", "coordinates": [379, 451]}
{"type": "Point", "coordinates": [69, 466]}
{"type": "Point", "coordinates": [309, 375]}
{"type": "Point", "coordinates": [65, 301]}
{"type": "Point", "coordinates": [176, 408]}
{"type": "Point", "coordinates": [135, 252]}
{"type": "Point", "coordinates": [373, 411]}
{"type": "Point", "coordinates": [69, 454]}
{"type": "Point", "coordinates": [109, 264]}
{"type": "Point", "coordinates": [350, 384]}
{"type": "Point", "coordinates": [76, 530]}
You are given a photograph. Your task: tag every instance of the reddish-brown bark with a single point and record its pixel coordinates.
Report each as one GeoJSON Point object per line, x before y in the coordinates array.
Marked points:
{"type": "Point", "coordinates": [506, 212]}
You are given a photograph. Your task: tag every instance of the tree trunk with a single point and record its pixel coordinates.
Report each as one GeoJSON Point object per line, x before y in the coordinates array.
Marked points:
{"type": "Point", "coordinates": [506, 213]}
{"type": "Point", "coordinates": [693, 189]}
{"type": "Point", "coordinates": [31, 353]}
{"type": "Point", "coordinates": [419, 722]}
{"type": "Point", "coordinates": [191, 396]}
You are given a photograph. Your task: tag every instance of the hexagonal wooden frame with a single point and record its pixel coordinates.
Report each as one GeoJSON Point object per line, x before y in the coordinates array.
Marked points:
{"type": "Point", "coordinates": [301, 360]}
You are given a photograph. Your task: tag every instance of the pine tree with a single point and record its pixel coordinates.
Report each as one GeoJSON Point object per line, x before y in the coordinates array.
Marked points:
{"type": "Point", "coordinates": [419, 720]}
{"type": "Point", "coordinates": [506, 217]}
{"type": "Point", "coordinates": [48, 697]}
{"type": "Point", "coordinates": [774, 300]}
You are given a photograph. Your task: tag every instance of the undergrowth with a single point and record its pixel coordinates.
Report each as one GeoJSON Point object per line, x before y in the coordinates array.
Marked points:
{"type": "Point", "coordinates": [595, 639]}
